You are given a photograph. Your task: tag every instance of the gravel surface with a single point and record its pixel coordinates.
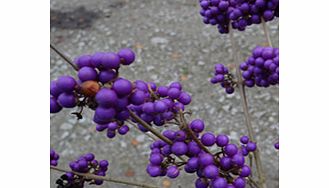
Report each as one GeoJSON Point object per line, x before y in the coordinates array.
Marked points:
{"type": "Point", "coordinates": [171, 44]}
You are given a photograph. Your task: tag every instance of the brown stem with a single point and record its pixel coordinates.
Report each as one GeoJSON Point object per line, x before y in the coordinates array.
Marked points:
{"type": "Point", "coordinates": [267, 34]}
{"type": "Point", "coordinates": [53, 47]}
{"type": "Point", "coordinates": [148, 127]}
{"type": "Point", "coordinates": [92, 176]}
{"type": "Point", "coordinates": [190, 133]}
{"type": "Point", "coordinates": [242, 92]}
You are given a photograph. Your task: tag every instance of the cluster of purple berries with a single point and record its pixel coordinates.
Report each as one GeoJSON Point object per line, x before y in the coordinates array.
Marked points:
{"type": "Point", "coordinates": [99, 68]}
{"type": "Point", "coordinates": [158, 104]}
{"type": "Point", "coordinates": [223, 77]}
{"type": "Point", "coordinates": [53, 157]}
{"type": "Point", "coordinates": [241, 13]}
{"type": "Point", "coordinates": [112, 128]}
{"type": "Point", "coordinates": [99, 88]}
{"type": "Point", "coordinates": [85, 164]}
{"type": "Point", "coordinates": [161, 161]}
{"type": "Point", "coordinates": [225, 168]}
{"type": "Point", "coordinates": [262, 67]}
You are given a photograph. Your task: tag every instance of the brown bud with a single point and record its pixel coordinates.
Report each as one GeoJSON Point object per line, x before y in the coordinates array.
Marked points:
{"type": "Point", "coordinates": [90, 88]}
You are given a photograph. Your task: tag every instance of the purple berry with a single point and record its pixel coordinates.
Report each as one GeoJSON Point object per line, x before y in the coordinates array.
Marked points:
{"type": "Point", "coordinates": [110, 61]}
{"type": "Point", "coordinates": [67, 100]}
{"type": "Point", "coordinates": [244, 139]}
{"type": "Point", "coordinates": [127, 55]}
{"type": "Point", "coordinates": [197, 125]}
{"type": "Point", "coordinates": [211, 171]}
{"type": "Point", "coordinates": [122, 87]}
{"type": "Point", "coordinates": [106, 97]}
{"type": "Point", "coordinates": [66, 83]}
{"type": "Point", "coordinates": [87, 73]}
{"type": "Point", "coordinates": [172, 172]}
{"type": "Point", "coordinates": [179, 148]}
{"type": "Point", "coordinates": [222, 140]}
{"type": "Point", "coordinates": [208, 139]}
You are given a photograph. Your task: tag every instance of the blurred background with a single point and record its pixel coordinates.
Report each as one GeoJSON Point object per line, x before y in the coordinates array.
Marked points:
{"type": "Point", "coordinates": [171, 44]}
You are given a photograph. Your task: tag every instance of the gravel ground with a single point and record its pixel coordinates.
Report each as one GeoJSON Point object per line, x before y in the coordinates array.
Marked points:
{"type": "Point", "coordinates": [171, 44]}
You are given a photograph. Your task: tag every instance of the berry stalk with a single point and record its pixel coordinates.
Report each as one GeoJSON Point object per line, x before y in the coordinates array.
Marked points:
{"type": "Point", "coordinates": [267, 35]}
{"type": "Point", "coordinates": [95, 177]}
{"type": "Point", "coordinates": [242, 92]}
{"type": "Point", "coordinates": [148, 127]}
{"type": "Point", "coordinates": [191, 134]}
{"type": "Point", "coordinates": [64, 57]}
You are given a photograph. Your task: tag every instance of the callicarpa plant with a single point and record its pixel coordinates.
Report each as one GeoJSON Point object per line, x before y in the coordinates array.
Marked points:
{"type": "Point", "coordinates": [120, 104]}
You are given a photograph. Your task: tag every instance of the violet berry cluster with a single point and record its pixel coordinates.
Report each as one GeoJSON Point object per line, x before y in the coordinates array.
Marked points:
{"type": "Point", "coordinates": [158, 104]}
{"type": "Point", "coordinates": [224, 77]}
{"type": "Point", "coordinates": [221, 169]}
{"type": "Point", "coordinates": [84, 164]}
{"type": "Point", "coordinates": [240, 13]}
{"type": "Point", "coordinates": [261, 68]}
{"type": "Point", "coordinates": [99, 88]}
{"type": "Point", "coordinates": [53, 157]}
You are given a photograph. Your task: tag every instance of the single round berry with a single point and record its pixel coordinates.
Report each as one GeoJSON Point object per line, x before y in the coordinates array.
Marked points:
{"type": "Point", "coordinates": [251, 146]}
{"type": "Point", "coordinates": [83, 61]}
{"type": "Point", "coordinates": [174, 93]}
{"type": "Point", "coordinates": [66, 83]}
{"type": "Point", "coordinates": [172, 172]}
{"type": "Point", "coordinates": [106, 76]}
{"type": "Point", "coordinates": [67, 100]}
{"type": "Point", "coordinates": [105, 114]}
{"type": "Point", "coordinates": [123, 130]}
{"type": "Point", "coordinates": [219, 183]}
{"type": "Point", "coordinates": [193, 148]}
{"type": "Point", "coordinates": [185, 98]}
{"type": "Point", "coordinates": [87, 73]}
{"type": "Point", "coordinates": [106, 97]}
{"type": "Point", "coordinates": [156, 159]}
{"type": "Point", "coordinates": [110, 61]}
{"type": "Point", "coordinates": [127, 55]}
{"type": "Point", "coordinates": [239, 183]}
{"type": "Point", "coordinates": [222, 140]}
{"type": "Point", "coordinates": [211, 171]}
{"type": "Point", "coordinates": [231, 149]}
{"type": "Point", "coordinates": [205, 159]}
{"type": "Point", "coordinates": [122, 87]}
{"type": "Point", "coordinates": [197, 125]}
{"type": "Point", "coordinates": [179, 148]}
{"type": "Point", "coordinates": [201, 183]}
{"type": "Point", "coordinates": [245, 171]}
{"type": "Point", "coordinates": [244, 139]}
{"type": "Point", "coordinates": [208, 139]}
{"type": "Point", "coordinates": [137, 98]}
{"type": "Point", "coordinates": [153, 171]}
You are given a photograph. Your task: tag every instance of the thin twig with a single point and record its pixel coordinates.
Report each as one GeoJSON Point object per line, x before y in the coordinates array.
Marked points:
{"type": "Point", "coordinates": [53, 47]}
{"type": "Point", "coordinates": [253, 182]}
{"type": "Point", "coordinates": [148, 127]}
{"type": "Point", "coordinates": [149, 135]}
{"type": "Point", "coordinates": [267, 34]}
{"type": "Point", "coordinates": [92, 176]}
{"type": "Point", "coordinates": [242, 92]}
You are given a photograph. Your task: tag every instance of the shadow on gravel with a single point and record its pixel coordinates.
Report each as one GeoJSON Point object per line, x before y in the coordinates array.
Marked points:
{"type": "Point", "coordinates": [79, 18]}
